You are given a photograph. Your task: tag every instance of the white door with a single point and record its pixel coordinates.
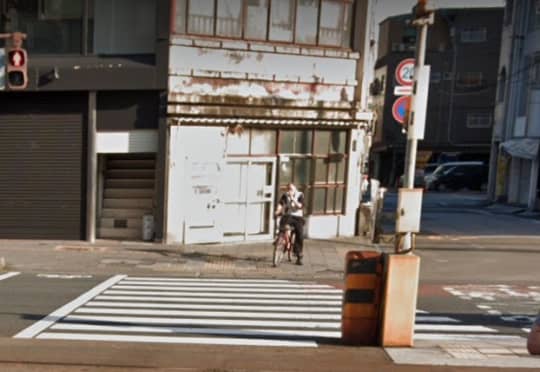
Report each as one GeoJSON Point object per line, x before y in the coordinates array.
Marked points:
{"type": "Point", "coordinates": [204, 207]}
{"type": "Point", "coordinates": [248, 199]}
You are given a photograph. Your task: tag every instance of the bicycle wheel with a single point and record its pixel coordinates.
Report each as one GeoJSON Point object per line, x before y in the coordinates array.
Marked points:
{"type": "Point", "coordinates": [279, 247]}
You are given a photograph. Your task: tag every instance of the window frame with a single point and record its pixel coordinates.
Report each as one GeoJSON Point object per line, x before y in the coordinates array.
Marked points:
{"type": "Point", "coordinates": [267, 39]}
{"type": "Point", "coordinates": [474, 120]}
{"type": "Point", "coordinates": [470, 31]}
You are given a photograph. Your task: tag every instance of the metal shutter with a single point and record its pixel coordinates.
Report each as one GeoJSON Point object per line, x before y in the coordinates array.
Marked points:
{"type": "Point", "coordinates": [41, 173]}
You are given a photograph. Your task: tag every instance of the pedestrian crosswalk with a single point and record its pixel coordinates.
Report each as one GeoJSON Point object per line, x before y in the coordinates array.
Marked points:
{"type": "Point", "coordinates": [199, 311]}
{"type": "Point", "coordinates": [246, 312]}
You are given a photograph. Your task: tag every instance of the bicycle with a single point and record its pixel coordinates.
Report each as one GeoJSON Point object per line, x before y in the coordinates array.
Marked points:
{"type": "Point", "coordinates": [283, 243]}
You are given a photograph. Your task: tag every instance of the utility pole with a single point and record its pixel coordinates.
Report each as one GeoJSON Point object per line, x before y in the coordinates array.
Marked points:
{"type": "Point", "coordinates": [417, 113]}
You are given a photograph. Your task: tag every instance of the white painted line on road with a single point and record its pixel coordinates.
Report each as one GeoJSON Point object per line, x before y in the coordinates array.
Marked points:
{"type": "Point", "coordinates": [192, 321]}
{"type": "Point", "coordinates": [228, 285]}
{"type": "Point", "coordinates": [8, 275]}
{"type": "Point", "coordinates": [207, 331]}
{"type": "Point", "coordinates": [175, 340]}
{"type": "Point", "coordinates": [494, 312]}
{"type": "Point", "coordinates": [453, 328]}
{"type": "Point", "coordinates": [436, 319]}
{"type": "Point", "coordinates": [304, 309]}
{"type": "Point", "coordinates": [464, 337]}
{"type": "Point", "coordinates": [219, 300]}
{"type": "Point", "coordinates": [209, 280]}
{"type": "Point", "coordinates": [526, 330]}
{"type": "Point", "coordinates": [58, 314]}
{"type": "Point", "coordinates": [217, 314]}
{"type": "Point", "coordinates": [225, 295]}
{"type": "Point", "coordinates": [242, 290]}
{"type": "Point", "coordinates": [62, 276]}
{"type": "Point", "coordinates": [421, 312]}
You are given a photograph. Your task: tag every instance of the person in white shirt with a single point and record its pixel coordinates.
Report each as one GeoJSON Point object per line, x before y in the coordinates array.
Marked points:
{"type": "Point", "coordinates": [290, 206]}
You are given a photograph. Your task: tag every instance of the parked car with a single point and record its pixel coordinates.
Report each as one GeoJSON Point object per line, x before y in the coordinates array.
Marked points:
{"type": "Point", "coordinates": [458, 175]}
{"type": "Point", "coordinates": [430, 168]}
{"type": "Point", "coordinates": [418, 179]}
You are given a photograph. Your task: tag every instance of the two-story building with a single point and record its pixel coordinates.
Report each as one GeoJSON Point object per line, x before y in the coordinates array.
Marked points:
{"type": "Point", "coordinates": [462, 48]}
{"type": "Point", "coordinates": [263, 93]}
{"type": "Point", "coordinates": [78, 147]}
{"type": "Point", "coordinates": [514, 175]}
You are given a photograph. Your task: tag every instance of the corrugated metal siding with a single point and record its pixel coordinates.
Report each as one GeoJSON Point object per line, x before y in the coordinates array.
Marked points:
{"type": "Point", "coordinates": [41, 175]}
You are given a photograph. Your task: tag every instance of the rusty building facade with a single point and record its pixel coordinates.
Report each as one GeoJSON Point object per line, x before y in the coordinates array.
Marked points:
{"type": "Point", "coordinates": [260, 94]}
{"type": "Point", "coordinates": [79, 146]}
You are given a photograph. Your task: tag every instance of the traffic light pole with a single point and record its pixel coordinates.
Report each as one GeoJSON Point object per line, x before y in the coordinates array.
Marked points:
{"type": "Point", "coordinates": [406, 243]}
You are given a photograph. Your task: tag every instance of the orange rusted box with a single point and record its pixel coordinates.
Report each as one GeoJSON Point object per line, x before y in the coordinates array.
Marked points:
{"type": "Point", "coordinates": [361, 297]}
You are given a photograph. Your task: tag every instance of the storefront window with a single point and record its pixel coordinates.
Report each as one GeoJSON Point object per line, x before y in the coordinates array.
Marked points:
{"type": "Point", "coordinates": [52, 26]}
{"type": "Point", "coordinates": [319, 171]}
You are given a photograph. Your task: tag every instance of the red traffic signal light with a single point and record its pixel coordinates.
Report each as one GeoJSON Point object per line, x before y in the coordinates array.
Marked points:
{"type": "Point", "coordinates": [17, 69]}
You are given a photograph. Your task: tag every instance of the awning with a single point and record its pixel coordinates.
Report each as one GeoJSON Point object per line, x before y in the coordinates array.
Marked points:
{"type": "Point", "coordinates": [226, 121]}
{"type": "Point", "coordinates": [526, 148]}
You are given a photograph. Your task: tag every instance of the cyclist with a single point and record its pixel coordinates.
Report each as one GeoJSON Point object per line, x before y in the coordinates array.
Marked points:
{"type": "Point", "coordinates": [290, 206]}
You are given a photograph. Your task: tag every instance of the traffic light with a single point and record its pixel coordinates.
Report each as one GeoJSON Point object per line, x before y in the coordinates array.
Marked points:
{"type": "Point", "coordinates": [17, 69]}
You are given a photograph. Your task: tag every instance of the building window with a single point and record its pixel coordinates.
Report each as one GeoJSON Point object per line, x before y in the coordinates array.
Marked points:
{"type": "Point", "coordinates": [508, 12]}
{"type": "Point", "coordinates": [305, 22]}
{"type": "Point", "coordinates": [229, 18]}
{"type": "Point", "coordinates": [307, 14]}
{"type": "Point", "coordinates": [201, 17]}
{"type": "Point", "coordinates": [52, 26]}
{"type": "Point", "coordinates": [282, 20]}
{"type": "Point", "coordinates": [534, 77]}
{"type": "Point", "coordinates": [335, 23]}
{"type": "Point", "coordinates": [114, 33]}
{"type": "Point", "coordinates": [316, 161]}
{"type": "Point", "coordinates": [535, 14]}
{"type": "Point", "coordinates": [470, 79]}
{"type": "Point", "coordinates": [474, 35]}
{"type": "Point", "coordinates": [479, 120]}
{"type": "Point", "coordinates": [256, 19]}
{"type": "Point", "coordinates": [502, 86]}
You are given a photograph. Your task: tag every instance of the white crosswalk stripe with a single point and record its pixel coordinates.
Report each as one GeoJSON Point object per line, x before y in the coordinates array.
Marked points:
{"type": "Point", "coordinates": [201, 311]}
{"type": "Point", "coordinates": [433, 327]}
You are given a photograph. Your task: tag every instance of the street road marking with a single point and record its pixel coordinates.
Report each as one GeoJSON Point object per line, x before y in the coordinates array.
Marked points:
{"type": "Point", "coordinates": [453, 328]}
{"type": "Point", "coordinates": [208, 331]}
{"type": "Point", "coordinates": [43, 324]}
{"type": "Point", "coordinates": [526, 330]}
{"type": "Point", "coordinates": [436, 319]}
{"type": "Point", "coordinates": [203, 321]}
{"type": "Point", "coordinates": [225, 295]}
{"type": "Point", "coordinates": [218, 314]}
{"type": "Point", "coordinates": [176, 340]}
{"type": "Point", "coordinates": [207, 280]}
{"type": "Point", "coordinates": [210, 311]}
{"type": "Point", "coordinates": [61, 276]}
{"type": "Point", "coordinates": [228, 285]}
{"type": "Point", "coordinates": [226, 290]}
{"type": "Point", "coordinates": [306, 309]}
{"type": "Point", "coordinates": [272, 301]}
{"type": "Point", "coordinates": [8, 275]}
{"type": "Point", "coordinates": [464, 337]}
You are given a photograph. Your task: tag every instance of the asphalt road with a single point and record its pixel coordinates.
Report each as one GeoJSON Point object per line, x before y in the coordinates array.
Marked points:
{"type": "Point", "coordinates": [479, 280]}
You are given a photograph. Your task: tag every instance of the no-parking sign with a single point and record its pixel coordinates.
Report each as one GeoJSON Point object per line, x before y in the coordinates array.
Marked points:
{"type": "Point", "coordinates": [405, 72]}
{"type": "Point", "coordinates": [400, 108]}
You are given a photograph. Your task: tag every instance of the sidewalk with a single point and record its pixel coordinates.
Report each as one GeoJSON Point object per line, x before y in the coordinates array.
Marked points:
{"type": "Point", "coordinates": [323, 259]}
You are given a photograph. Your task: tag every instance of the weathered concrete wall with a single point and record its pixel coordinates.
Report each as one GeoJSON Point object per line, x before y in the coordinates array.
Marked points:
{"type": "Point", "coordinates": [250, 74]}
